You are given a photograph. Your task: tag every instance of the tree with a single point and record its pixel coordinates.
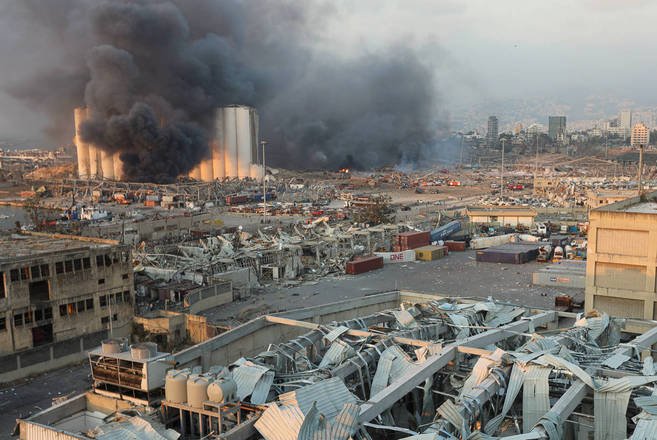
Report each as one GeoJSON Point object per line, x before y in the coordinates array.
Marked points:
{"type": "Point", "coordinates": [375, 213]}
{"type": "Point", "coordinates": [38, 215]}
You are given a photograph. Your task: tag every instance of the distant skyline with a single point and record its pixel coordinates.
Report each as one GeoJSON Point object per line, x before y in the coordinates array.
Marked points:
{"type": "Point", "coordinates": [589, 58]}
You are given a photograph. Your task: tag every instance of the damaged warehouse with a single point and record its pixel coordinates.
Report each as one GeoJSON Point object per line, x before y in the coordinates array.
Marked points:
{"type": "Point", "coordinates": [391, 365]}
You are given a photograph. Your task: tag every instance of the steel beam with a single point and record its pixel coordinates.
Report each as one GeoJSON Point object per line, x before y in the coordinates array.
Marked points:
{"type": "Point", "coordinates": [415, 376]}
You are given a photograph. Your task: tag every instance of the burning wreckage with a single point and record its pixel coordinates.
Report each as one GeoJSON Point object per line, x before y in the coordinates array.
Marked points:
{"type": "Point", "coordinates": [429, 368]}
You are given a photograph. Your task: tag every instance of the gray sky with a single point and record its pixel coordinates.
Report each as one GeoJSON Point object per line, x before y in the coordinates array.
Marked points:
{"type": "Point", "coordinates": [482, 50]}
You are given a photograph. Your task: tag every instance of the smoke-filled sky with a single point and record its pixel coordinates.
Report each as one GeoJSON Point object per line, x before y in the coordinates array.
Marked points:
{"type": "Point", "coordinates": [338, 82]}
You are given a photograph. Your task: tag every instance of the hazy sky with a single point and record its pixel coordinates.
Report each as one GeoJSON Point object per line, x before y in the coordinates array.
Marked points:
{"type": "Point", "coordinates": [482, 50]}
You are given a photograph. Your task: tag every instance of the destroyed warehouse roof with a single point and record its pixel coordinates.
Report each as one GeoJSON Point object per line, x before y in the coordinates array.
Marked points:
{"type": "Point", "coordinates": [19, 246]}
{"type": "Point", "coordinates": [646, 204]}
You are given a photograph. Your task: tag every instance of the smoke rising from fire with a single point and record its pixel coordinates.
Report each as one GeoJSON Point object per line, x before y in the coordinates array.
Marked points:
{"type": "Point", "coordinates": [152, 72]}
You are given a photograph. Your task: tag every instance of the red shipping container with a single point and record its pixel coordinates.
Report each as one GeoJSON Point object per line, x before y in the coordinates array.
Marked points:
{"type": "Point", "coordinates": [412, 240]}
{"type": "Point", "coordinates": [364, 264]}
{"type": "Point", "coordinates": [455, 246]}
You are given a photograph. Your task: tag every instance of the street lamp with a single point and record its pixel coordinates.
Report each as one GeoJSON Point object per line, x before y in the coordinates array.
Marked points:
{"type": "Point", "coordinates": [264, 187]}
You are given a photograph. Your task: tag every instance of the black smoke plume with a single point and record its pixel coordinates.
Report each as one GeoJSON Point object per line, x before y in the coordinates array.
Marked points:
{"type": "Point", "coordinates": [153, 72]}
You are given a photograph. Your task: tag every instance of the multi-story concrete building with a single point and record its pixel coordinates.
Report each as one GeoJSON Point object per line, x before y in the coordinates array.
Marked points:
{"type": "Point", "coordinates": [625, 119]}
{"type": "Point", "coordinates": [622, 258]}
{"type": "Point", "coordinates": [58, 290]}
{"type": "Point", "coordinates": [492, 133]}
{"type": "Point", "coordinates": [640, 135]}
{"type": "Point", "coordinates": [557, 128]}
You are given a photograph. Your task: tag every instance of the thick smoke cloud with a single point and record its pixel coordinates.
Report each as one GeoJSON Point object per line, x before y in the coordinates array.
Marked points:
{"type": "Point", "coordinates": [152, 72]}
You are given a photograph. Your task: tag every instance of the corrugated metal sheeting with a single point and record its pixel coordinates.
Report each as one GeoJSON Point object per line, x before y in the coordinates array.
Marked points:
{"type": "Point", "coordinates": [36, 431]}
{"type": "Point", "coordinates": [330, 395]}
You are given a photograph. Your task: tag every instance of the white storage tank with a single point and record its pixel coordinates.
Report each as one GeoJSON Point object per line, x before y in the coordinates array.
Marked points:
{"type": "Point", "coordinates": [230, 142]}
{"type": "Point", "coordinates": [217, 145]}
{"type": "Point", "coordinates": [114, 345]}
{"type": "Point", "coordinates": [144, 350]}
{"type": "Point", "coordinates": [175, 386]}
{"type": "Point", "coordinates": [243, 130]}
{"type": "Point", "coordinates": [197, 390]}
{"type": "Point", "coordinates": [222, 390]}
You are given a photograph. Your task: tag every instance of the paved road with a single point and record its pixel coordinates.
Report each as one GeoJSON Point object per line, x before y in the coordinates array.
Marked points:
{"type": "Point", "coordinates": [458, 274]}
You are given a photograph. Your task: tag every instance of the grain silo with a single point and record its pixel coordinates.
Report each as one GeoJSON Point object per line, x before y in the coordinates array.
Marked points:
{"type": "Point", "coordinates": [82, 148]}
{"type": "Point", "coordinates": [230, 141]}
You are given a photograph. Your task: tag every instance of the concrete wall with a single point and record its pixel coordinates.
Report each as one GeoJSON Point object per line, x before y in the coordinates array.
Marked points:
{"type": "Point", "coordinates": [621, 263]}
{"type": "Point", "coordinates": [254, 336]}
{"type": "Point", "coordinates": [154, 229]}
{"type": "Point", "coordinates": [81, 296]}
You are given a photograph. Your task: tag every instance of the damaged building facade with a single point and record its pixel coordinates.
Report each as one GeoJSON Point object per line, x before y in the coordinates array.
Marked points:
{"type": "Point", "coordinates": [396, 364]}
{"type": "Point", "coordinates": [60, 296]}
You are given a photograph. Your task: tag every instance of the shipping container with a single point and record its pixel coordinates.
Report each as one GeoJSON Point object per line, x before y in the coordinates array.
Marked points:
{"type": "Point", "coordinates": [445, 231]}
{"type": "Point", "coordinates": [430, 253]}
{"type": "Point", "coordinates": [364, 264]}
{"type": "Point", "coordinates": [455, 246]}
{"type": "Point", "coordinates": [411, 240]}
{"type": "Point", "coordinates": [511, 253]}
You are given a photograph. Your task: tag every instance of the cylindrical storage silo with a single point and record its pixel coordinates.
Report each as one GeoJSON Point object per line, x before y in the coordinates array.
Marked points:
{"type": "Point", "coordinates": [82, 148]}
{"type": "Point", "coordinates": [107, 164]}
{"type": "Point", "coordinates": [254, 122]}
{"type": "Point", "coordinates": [230, 142]}
{"type": "Point", "coordinates": [222, 390]}
{"type": "Point", "coordinates": [197, 391]}
{"type": "Point", "coordinates": [217, 145]}
{"type": "Point", "coordinates": [118, 166]}
{"type": "Point", "coordinates": [243, 128]}
{"type": "Point", "coordinates": [175, 386]}
{"type": "Point", "coordinates": [207, 175]}
{"type": "Point", "coordinates": [195, 172]}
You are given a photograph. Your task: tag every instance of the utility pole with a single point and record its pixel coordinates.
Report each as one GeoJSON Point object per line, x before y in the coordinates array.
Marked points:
{"type": "Point", "coordinates": [606, 143]}
{"type": "Point", "coordinates": [264, 187]}
{"type": "Point", "coordinates": [502, 170]}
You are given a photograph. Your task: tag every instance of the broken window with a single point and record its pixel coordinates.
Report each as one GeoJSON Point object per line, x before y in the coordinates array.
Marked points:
{"type": "Point", "coordinates": [125, 276]}
{"type": "Point", "coordinates": [104, 320]}
{"type": "Point", "coordinates": [80, 306]}
{"type": "Point", "coordinates": [86, 262]}
{"type": "Point", "coordinates": [25, 273]}
{"type": "Point", "coordinates": [59, 267]}
{"type": "Point", "coordinates": [3, 323]}
{"type": "Point", "coordinates": [119, 298]}
{"type": "Point", "coordinates": [45, 270]}
{"type": "Point", "coordinates": [77, 264]}
{"type": "Point", "coordinates": [90, 304]}
{"type": "Point", "coordinates": [62, 310]}
{"type": "Point", "coordinates": [115, 317]}
{"type": "Point", "coordinates": [71, 308]}
{"type": "Point", "coordinates": [103, 300]}
{"type": "Point", "coordinates": [108, 260]}
{"type": "Point", "coordinates": [39, 291]}
{"type": "Point", "coordinates": [47, 313]}
{"type": "Point", "coordinates": [126, 297]}
{"type": "Point", "coordinates": [18, 319]}
{"type": "Point", "coordinates": [14, 275]}
{"type": "Point", "coordinates": [36, 272]}
{"type": "Point", "coordinates": [28, 317]}
{"type": "Point", "coordinates": [68, 266]}
{"type": "Point", "coordinates": [101, 281]}
{"type": "Point", "coordinates": [100, 261]}
{"type": "Point", "coordinates": [42, 335]}
{"type": "Point", "coordinates": [38, 315]}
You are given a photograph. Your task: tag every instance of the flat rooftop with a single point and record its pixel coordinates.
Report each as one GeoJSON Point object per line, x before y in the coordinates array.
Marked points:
{"type": "Point", "coordinates": [646, 204]}
{"type": "Point", "coordinates": [27, 245]}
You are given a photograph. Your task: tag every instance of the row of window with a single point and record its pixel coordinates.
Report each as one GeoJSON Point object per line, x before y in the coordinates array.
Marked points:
{"type": "Point", "coordinates": [67, 266]}
{"type": "Point", "coordinates": [115, 298]}
{"type": "Point", "coordinates": [28, 317]}
{"type": "Point", "coordinates": [105, 319]}
{"type": "Point", "coordinates": [76, 307]}
{"type": "Point", "coordinates": [23, 273]}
